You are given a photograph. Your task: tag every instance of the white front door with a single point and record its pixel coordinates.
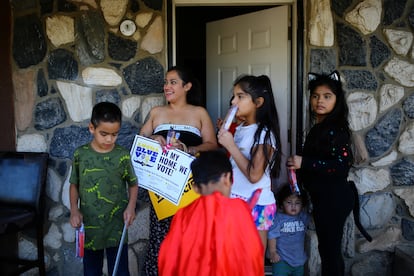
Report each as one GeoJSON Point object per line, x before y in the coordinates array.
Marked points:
{"type": "Point", "coordinates": [256, 43]}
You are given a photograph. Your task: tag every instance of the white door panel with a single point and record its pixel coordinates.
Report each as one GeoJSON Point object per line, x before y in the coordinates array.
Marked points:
{"type": "Point", "coordinates": [256, 43]}
{"type": "Point", "coordinates": [226, 76]}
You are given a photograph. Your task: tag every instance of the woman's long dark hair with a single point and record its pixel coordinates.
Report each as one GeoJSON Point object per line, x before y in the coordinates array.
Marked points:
{"type": "Point", "coordinates": [194, 94]}
{"type": "Point", "coordinates": [266, 118]}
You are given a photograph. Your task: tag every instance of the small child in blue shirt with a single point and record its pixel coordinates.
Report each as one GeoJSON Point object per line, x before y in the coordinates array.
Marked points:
{"type": "Point", "coordinates": [286, 237]}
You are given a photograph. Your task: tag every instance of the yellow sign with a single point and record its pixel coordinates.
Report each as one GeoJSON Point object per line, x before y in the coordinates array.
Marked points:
{"type": "Point", "coordinates": [164, 208]}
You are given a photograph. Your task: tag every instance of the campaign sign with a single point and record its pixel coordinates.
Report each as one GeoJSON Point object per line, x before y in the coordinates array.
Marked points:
{"type": "Point", "coordinates": [164, 208]}
{"type": "Point", "coordinates": [164, 173]}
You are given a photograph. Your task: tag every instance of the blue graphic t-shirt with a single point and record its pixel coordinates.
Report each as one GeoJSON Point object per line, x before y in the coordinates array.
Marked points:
{"type": "Point", "coordinates": [289, 232]}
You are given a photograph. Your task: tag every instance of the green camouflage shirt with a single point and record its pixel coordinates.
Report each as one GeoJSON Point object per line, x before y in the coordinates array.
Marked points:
{"type": "Point", "coordinates": [102, 180]}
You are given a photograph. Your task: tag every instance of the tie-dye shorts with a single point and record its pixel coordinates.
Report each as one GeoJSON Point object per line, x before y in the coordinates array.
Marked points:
{"type": "Point", "coordinates": [263, 216]}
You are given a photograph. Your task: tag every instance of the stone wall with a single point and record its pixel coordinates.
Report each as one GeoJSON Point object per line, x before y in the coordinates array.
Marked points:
{"type": "Point", "coordinates": [69, 55]}
{"type": "Point", "coordinates": [371, 44]}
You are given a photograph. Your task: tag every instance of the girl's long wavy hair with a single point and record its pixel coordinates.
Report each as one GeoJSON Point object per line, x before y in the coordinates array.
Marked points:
{"type": "Point", "coordinates": [266, 118]}
{"type": "Point", "coordinates": [338, 117]}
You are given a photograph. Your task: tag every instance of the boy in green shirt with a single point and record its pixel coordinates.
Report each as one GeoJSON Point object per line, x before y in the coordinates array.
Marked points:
{"type": "Point", "coordinates": [104, 183]}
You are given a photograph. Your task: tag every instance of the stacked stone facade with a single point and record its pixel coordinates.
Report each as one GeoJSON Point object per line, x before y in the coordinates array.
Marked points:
{"type": "Point", "coordinates": [69, 55]}
{"type": "Point", "coordinates": [372, 48]}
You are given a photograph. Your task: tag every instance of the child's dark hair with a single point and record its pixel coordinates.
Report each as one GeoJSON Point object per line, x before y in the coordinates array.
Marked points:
{"type": "Point", "coordinates": [339, 115]}
{"type": "Point", "coordinates": [209, 166]}
{"type": "Point", "coordinates": [266, 118]}
{"type": "Point", "coordinates": [286, 191]}
{"type": "Point", "coordinates": [194, 94]}
{"type": "Point", "coordinates": [106, 112]}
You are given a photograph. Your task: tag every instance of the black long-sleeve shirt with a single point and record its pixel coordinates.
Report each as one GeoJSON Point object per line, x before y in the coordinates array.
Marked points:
{"type": "Point", "coordinates": [327, 158]}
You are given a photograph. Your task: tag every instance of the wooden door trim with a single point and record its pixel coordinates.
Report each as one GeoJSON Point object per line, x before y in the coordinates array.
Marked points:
{"type": "Point", "coordinates": [7, 120]}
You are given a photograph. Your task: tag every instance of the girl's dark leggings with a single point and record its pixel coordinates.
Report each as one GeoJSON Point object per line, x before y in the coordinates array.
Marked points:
{"type": "Point", "coordinates": [330, 215]}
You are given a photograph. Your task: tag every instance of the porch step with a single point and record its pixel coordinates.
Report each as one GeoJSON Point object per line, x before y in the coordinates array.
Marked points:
{"type": "Point", "coordinates": [268, 270]}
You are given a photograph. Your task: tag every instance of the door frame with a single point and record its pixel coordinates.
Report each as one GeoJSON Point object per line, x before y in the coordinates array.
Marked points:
{"type": "Point", "coordinates": [7, 116]}
{"type": "Point", "coordinates": [297, 126]}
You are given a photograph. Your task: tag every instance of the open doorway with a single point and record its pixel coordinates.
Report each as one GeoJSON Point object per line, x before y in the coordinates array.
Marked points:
{"type": "Point", "coordinates": [191, 34]}
{"type": "Point", "coordinates": [186, 44]}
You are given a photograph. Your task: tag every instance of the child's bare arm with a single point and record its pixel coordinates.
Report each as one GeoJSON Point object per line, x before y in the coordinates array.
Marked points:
{"type": "Point", "coordinates": [76, 217]}
{"type": "Point", "coordinates": [129, 213]}
{"type": "Point", "coordinates": [273, 256]}
{"type": "Point", "coordinates": [257, 169]}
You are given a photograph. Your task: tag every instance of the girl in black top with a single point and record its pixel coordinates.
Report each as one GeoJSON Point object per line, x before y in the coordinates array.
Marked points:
{"type": "Point", "coordinates": [323, 168]}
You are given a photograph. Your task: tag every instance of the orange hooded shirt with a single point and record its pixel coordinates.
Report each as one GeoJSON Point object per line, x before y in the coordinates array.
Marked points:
{"type": "Point", "coordinates": [213, 236]}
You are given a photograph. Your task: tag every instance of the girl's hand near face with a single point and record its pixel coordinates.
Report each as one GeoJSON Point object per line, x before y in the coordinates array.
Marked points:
{"type": "Point", "coordinates": [294, 162]}
{"type": "Point", "coordinates": [225, 138]}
